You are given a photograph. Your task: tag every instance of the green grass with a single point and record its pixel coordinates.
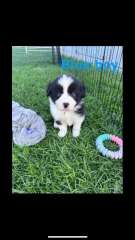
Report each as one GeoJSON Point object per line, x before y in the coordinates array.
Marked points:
{"type": "Point", "coordinates": [64, 165]}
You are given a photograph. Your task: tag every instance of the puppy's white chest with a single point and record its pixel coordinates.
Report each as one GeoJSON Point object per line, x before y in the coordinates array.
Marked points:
{"type": "Point", "coordinates": [65, 117]}
{"type": "Point", "coordinates": [68, 118]}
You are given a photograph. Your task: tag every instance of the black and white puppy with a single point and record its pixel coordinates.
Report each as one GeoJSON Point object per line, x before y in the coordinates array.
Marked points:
{"type": "Point", "coordinates": [66, 104]}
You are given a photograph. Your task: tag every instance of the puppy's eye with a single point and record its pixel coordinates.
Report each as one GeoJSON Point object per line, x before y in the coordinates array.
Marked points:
{"type": "Point", "coordinates": [58, 94]}
{"type": "Point", "coordinates": [73, 94]}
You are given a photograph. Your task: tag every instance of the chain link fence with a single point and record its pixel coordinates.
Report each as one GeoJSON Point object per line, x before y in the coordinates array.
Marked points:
{"type": "Point", "coordinates": [102, 66]}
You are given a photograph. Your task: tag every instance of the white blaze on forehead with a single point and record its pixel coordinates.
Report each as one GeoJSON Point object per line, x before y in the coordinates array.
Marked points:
{"type": "Point", "coordinates": [65, 82]}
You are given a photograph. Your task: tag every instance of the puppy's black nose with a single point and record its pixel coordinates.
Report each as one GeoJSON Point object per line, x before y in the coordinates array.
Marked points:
{"type": "Point", "coordinates": [65, 105]}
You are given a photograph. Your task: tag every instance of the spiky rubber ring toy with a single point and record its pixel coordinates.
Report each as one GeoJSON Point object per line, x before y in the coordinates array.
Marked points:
{"type": "Point", "coordinates": [104, 151]}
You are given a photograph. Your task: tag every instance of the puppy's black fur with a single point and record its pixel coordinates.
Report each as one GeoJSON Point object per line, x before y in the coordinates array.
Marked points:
{"type": "Point", "coordinates": [54, 90]}
{"type": "Point", "coordinates": [81, 109]}
{"type": "Point", "coordinates": [77, 90]}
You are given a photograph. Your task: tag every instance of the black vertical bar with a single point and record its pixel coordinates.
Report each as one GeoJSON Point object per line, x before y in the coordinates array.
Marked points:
{"type": "Point", "coordinates": [116, 74]}
{"type": "Point", "coordinates": [90, 70]}
{"type": "Point", "coordinates": [104, 80]}
{"type": "Point", "coordinates": [94, 77]}
{"type": "Point", "coordinates": [73, 58]}
{"type": "Point", "coordinates": [110, 77]}
{"type": "Point", "coordinates": [110, 71]}
{"type": "Point", "coordinates": [59, 60]}
{"type": "Point", "coordinates": [90, 53]}
{"type": "Point", "coordinates": [112, 102]}
{"type": "Point", "coordinates": [87, 70]}
{"type": "Point", "coordinates": [119, 90]}
{"type": "Point", "coordinates": [115, 103]}
{"type": "Point", "coordinates": [53, 54]}
{"type": "Point", "coordinates": [92, 63]}
{"type": "Point", "coordinates": [101, 72]}
{"type": "Point", "coordinates": [97, 75]}
{"type": "Point", "coordinates": [82, 60]}
{"type": "Point", "coordinates": [93, 67]}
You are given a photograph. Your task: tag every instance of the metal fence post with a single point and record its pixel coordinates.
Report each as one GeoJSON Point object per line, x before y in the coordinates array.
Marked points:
{"type": "Point", "coordinates": [59, 60]}
{"type": "Point", "coordinates": [53, 55]}
{"type": "Point", "coordinates": [101, 72]}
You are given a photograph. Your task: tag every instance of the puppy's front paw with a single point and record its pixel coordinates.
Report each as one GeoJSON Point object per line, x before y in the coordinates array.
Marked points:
{"type": "Point", "coordinates": [62, 133]}
{"type": "Point", "coordinates": [76, 132]}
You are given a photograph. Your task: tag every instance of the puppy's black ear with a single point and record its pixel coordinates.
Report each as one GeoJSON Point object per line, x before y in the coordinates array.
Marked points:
{"type": "Point", "coordinates": [49, 89]}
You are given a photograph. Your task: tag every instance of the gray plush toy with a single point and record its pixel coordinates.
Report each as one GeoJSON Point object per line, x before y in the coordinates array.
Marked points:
{"type": "Point", "coordinates": [28, 128]}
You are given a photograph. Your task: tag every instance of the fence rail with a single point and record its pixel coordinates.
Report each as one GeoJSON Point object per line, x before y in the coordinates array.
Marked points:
{"type": "Point", "coordinates": [37, 48]}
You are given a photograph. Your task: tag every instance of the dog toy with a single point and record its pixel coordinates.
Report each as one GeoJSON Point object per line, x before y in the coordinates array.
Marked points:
{"type": "Point", "coordinates": [105, 152]}
{"type": "Point", "coordinates": [28, 128]}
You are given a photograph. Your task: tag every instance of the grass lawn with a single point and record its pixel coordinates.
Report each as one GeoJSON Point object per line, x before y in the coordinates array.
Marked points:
{"type": "Point", "coordinates": [58, 165]}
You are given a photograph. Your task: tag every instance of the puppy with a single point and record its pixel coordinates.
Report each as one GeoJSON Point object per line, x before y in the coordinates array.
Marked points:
{"type": "Point", "coordinates": [66, 105]}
